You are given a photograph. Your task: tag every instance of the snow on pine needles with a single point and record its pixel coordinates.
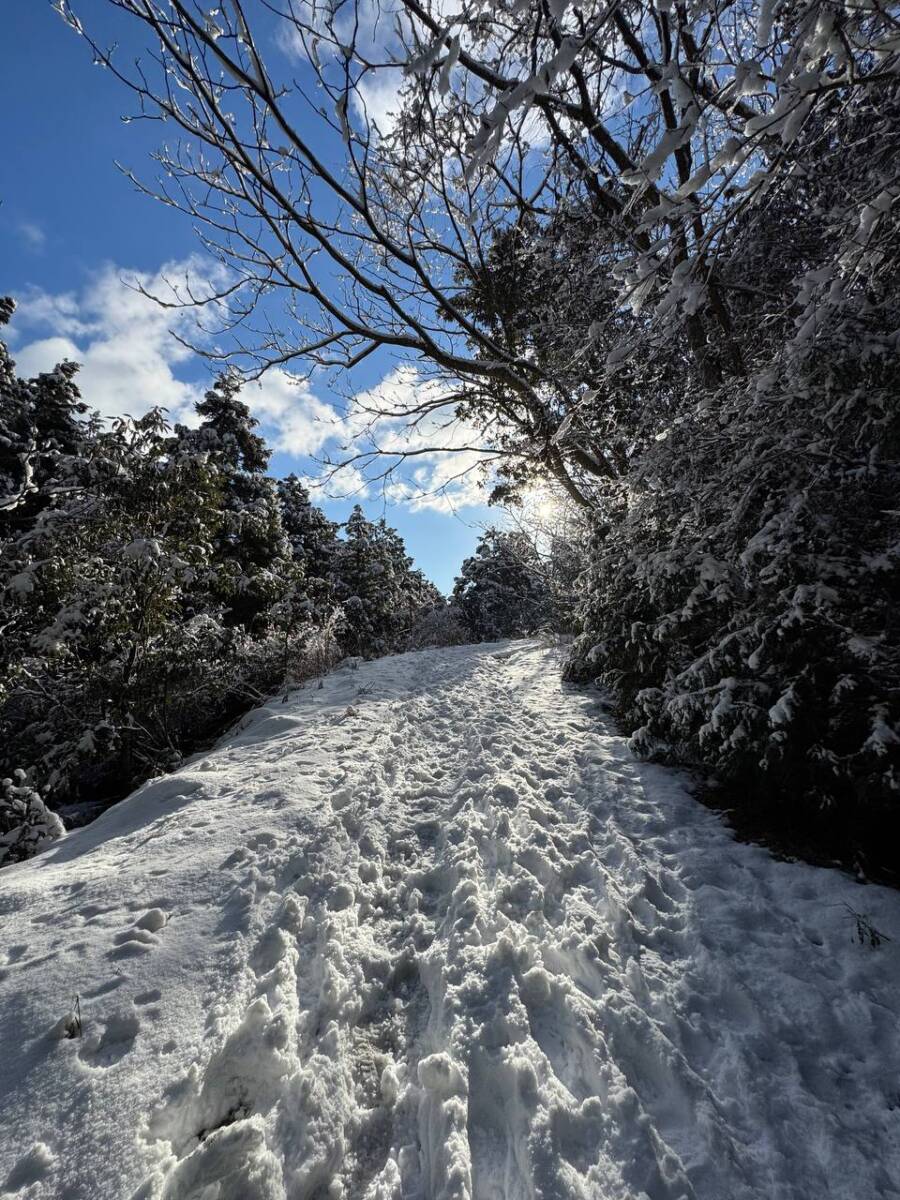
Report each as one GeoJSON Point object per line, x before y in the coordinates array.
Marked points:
{"type": "Point", "coordinates": [431, 932]}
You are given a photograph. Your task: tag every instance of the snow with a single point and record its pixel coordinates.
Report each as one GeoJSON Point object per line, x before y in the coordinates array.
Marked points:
{"type": "Point", "coordinates": [431, 931]}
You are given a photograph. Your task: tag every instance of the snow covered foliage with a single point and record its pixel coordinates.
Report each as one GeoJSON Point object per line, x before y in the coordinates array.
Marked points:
{"type": "Point", "coordinates": [501, 591]}
{"type": "Point", "coordinates": [442, 625]}
{"type": "Point", "coordinates": [313, 541]}
{"type": "Point", "coordinates": [40, 429]}
{"type": "Point", "coordinates": [740, 597]}
{"type": "Point", "coordinates": [26, 824]}
{"type": "Point", "coordinates": [380, 594]}
{"type": "Point", "coordinates": [253, 556]}
{"type": "Point", "coordinates": [154, 582]}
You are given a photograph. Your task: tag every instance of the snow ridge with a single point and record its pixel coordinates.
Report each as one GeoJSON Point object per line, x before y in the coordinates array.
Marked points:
{"type": "Point", "coordinates": [461, 945]}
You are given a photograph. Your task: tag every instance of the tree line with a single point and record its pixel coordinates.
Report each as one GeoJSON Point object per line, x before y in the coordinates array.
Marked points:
{"type": "Point", "coordinates": [155, 582]}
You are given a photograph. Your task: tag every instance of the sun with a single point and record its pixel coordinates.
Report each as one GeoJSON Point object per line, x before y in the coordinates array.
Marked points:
{"type": "Point", "coordinates": [541, 508]}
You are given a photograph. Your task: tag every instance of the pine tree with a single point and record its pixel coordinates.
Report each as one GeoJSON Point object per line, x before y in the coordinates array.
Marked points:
{"type": "Point", "coordinates": [381, 594]}
{"type": "Point", "coordinates": [252, 554]}
{"type": "Point", "coordinates": [500, 590]}
{"type": "Point", "coordinates": [40, 428]}
{"type": "Point", "coordinates": [227, 427]}
{"type": "Point", "coordinates": [357, 575]}
{"type": "Point", "coordinates": [313, 541]}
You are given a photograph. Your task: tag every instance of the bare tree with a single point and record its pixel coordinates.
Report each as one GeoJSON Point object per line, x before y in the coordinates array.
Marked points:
{"type": "Point", "coordinates": [659, 124]}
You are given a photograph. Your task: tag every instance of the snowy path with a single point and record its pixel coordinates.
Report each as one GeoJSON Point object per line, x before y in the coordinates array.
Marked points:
{"type": "Point", "coordinates": [431, 932]}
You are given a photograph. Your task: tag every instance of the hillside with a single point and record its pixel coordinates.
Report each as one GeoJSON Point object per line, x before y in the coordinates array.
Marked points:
{"type": "Point", "coordinates": [430, 931]}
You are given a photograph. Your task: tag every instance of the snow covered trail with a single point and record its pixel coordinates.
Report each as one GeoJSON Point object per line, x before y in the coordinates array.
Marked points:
{"type": "Point", "coordinates": [431, 932]}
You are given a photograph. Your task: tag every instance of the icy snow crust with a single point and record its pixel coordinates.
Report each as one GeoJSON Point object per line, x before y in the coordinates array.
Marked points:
{"type": "Point", "coordinates": [431, 932]}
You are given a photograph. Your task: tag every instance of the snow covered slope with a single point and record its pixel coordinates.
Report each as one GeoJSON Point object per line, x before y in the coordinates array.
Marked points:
{"type": "Point", "coordinates": [431, 932]}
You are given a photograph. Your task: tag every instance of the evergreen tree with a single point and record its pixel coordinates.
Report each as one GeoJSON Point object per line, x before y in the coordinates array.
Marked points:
{"type": "Point", "coordinates": [358, 571]}
{"type": "Point", "coordinates": [227, 428]}
{"type": "Point", "coordinates": [40, 428]}
{"type": "Point", "coordinates": [251, 551]}
{"type": "Point", "coordinates": [313, 542]}
{"type": "Point", "coordinates": [500, 589]}
{"type": "Point", "coordinates": [381, 594]}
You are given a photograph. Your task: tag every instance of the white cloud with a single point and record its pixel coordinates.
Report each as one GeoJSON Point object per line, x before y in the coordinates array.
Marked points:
{"type": "Point", "coordinates": [60, 312]}
{"type": "Point", "coordinates": [42, 355]}
{"type": "Point", "coordinates": [302, 424]}
{"type": "Point", "coordinates": [122, 340]}
{"type": "Point", "coordinates": [380, 94]}
{"type": "Point", "coordinates": [442, 470]}
{"type": "Point", "coordinates": [345, 482]}
{"type": "Point", "coordinates": [131, 362]}
{"type": "Point", "coordinates": [33, 234]}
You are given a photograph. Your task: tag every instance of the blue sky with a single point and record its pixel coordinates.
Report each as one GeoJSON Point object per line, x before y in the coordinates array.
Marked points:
{"type": "Point", "coordinates": [72, 228]}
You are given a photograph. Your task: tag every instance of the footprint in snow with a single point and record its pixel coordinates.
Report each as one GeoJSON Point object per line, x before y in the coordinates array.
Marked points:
{"type": "Point", "coordinates": [106, 1048]}
{"type": "Point", "coordinates": [31, 1168]}
{"type": "Point", "coordinates": [102, 989]}
{"type": "Point", "coordinates": [141, 937]}
{"type": "Point", "coordinates": [146, 998]}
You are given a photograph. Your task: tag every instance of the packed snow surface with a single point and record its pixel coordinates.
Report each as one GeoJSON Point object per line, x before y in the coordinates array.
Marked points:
{"type": "Point", "coordinates": [430, 931]}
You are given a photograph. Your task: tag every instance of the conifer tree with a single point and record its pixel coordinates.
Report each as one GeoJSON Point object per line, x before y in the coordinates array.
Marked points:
{"type": "Point", "coordinates": [500, 590]}
{"type": "Point", "coordinates": [252, 552]}
{"type": "Point", "coordinates": [313, 542]}
{"type": "Point", "coordinates": [40, 427]}
{"type": "Point", "coordinates": [380, 593]}
{"type": "Point", "coordinates": [356, 582]}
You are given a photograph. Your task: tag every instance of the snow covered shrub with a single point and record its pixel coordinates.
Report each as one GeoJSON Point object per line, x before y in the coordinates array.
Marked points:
{"type": "Point", "coordinates": [757, 637]}
{"type": "Point", "coordinates": [442, 625]}
{"type": "Point", "coordinates": [26, 824]}
{"type": "Point", "coordinates": [321, 649]}
{"type": "Point", "coordinates": [115, 640]}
